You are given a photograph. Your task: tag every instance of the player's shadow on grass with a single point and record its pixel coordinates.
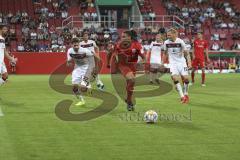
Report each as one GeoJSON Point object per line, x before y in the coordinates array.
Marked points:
{"type": "Point", "coordinates": [211, 94]}
{"type": "Point", "coordinates": [119, 84]}
{"type": "Point", "coordinates": [212, 106]}
{"type": "Point", "coordinates": [178, 125]}
{"type": "Point", "coordinates": [11, 103]}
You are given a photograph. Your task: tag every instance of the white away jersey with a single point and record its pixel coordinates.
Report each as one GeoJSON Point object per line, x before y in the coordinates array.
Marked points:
{"type": "Point", "coordinates": [156, 49]}
{"type": "Point", "coordinates": [81, 57]}
{"type": "Point", "coordinates": [2, 48]}
{"type": "Point", "coordinates": [175, 50]}
{"type": "Point", "coordinates": [90, 44]}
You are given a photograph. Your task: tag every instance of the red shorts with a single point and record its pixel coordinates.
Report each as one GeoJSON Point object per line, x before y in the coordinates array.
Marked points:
{"type": "Point", "coordinates": [127, 68]}
{"type": "Point", "coordinates": [198, 63]}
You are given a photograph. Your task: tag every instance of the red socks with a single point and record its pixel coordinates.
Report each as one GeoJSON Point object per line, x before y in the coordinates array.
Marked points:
{"type": "Point", "coordinates": [203, 77]}
{"type": "Point", "coordinates": [130, 88]}
{"type": "Point", "coordinates": [193, 75]}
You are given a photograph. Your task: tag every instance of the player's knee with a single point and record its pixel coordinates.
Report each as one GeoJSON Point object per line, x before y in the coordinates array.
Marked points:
{"type": "Point", "coordinates": [83, 88]}
{"type": "Point", "coordinates": [75, 89]}
{"type": "Point", "coordinates": [4, 76]}
{"type": "Point", "coordinates": [186, 81]}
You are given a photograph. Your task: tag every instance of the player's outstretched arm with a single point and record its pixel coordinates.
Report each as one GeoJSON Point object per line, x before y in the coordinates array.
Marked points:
{"type": "Point", "coordinates": [69, 59]}
{"type": "Point", "coordinates": [109, 57]}
{"type": "Point", "coordinates": [10, 58]}
{"type": "Point", "coordinates": [188, 58]}
{"type": "Point", "coordinates": [207, 55]}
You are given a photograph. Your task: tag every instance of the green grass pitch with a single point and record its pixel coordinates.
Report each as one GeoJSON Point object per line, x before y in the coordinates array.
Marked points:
{"type": "Point", "coordinates": [30, 130]}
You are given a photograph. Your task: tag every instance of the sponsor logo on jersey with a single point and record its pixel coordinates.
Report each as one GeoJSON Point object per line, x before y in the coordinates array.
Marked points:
{"type": "Point", "coordinates": [174, 45]}
{"type": "Point", "coordinates": [87, 45]}
{"type": "Point", "coordinates": [78, 56]}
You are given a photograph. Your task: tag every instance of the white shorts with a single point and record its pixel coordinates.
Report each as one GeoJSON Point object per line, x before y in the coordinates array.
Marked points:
{"type": "Point", "coordinates": [155, 61]}
{"type": "Point", "coordinates": [179, 69]}
{"type": "Point", "coordinates": [3, 68]}
{"type": "Point", "coordinates": [78, 75]}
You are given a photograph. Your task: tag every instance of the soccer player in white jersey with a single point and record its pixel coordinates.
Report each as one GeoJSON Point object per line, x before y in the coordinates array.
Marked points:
{"type": "Point", "coordinates": [4, 53]}
{"type": "Point", "coordinates": [179, 61]}
{"type": "Point", "coordinates": [92, 46]}
{"type": "Point", "coordinates": [83, 69]}
{"type": "Point", "coordinates": [154, 55]}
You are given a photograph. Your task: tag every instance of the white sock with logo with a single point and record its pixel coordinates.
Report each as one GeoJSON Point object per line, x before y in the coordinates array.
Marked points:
{"type": "Point", "coordinates": [179, 89]}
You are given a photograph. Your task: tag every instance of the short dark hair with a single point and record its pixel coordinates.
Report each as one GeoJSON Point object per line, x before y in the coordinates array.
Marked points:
{"type": "Point", "coordinates": [86, 32]}
{"type": "Point", "coordinates": [133, 34]}
{"type": "Point", "coordinates": [75, 40]}
{"type": "Point", "coordinates": [2, 25]}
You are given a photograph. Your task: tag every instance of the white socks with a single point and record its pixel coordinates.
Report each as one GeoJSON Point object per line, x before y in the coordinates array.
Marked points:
{"type": "Point", "coordinates": [99, 82]}
{"type": "Point", "coordinates": [1, 81]}
{"type": "Point", "coordinates": [179, 89]}
{"type": "Point", "coordinates": [185, 89]}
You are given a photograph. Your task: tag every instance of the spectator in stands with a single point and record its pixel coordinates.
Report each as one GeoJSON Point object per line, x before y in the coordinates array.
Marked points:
{"type": "Point", "coordinates": [12, 33]}
{"type": "Point", "coordinates": [236, 45]}
{"type": "Point", "coordinates": [25, 31]}
{"type": "Point", "coordinates": [152, 16]}
{"type": "Point", "coordinates": [51, 15]}
{"type": "Point", "coordinates": [20, 47]}
{"type": "Point", "coordinates": [231, 25]}
{"type": "Point", "coordinates": [55, 47]}
{"type": "Point", "coordinates": [215, 46]}
{"type": "Point", "coordinates": [33, 45]}
{"type": "Point", "coordinates": [223, 25]}
{"type": "Point", "coordinates": [33, 35]}
{"type": "Point", "coordinates": [215, 36]}
{"type": "Point", "coordinates": [86, 16]}
{"type": "Point", "coordinates": [94, 16]}
{"type": "Point", "coordinates": [62, 48]}
{"type": "Point", "coordinates": [155, 29]}
{"type": "Point", "coordinates": [222, 46]}
{"type": "Point", "coordinates": [9, 16]}
{"type": "Point", "coordinates": [64, 14]}
{"type": "Point", "coordinates": [1, 18]}
{"type": "Point", "coordinates": [55, 5]}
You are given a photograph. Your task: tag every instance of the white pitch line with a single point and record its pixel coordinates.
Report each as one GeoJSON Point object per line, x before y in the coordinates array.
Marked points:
{"type": "Point", "coordinates": [1, 112]}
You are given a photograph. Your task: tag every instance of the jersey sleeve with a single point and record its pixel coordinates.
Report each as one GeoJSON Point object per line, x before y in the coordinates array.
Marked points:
{"type": "Point", "coordinates": [69, 58]}
{"type": "Point", "coordinates": [206, 45]}
{"type": "Point", "coordinates": [183, 44]}
{"type": "Point", "coordinates": [165, 46]}
{"type": "Point", "coordinates": [94, 44]}
{"type": "Point", "coordinates": [151, 45]}
{"type": "Point", "coordinates": [140, 49]}
{"type": "Point", "coordinates": [86, 51]}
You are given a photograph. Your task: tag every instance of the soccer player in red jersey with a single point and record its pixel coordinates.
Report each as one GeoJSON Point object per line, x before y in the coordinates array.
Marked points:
{"type": "Point", "coordinates": [127, 52]}
{"type": "Point", "coordinates": [200, 46]}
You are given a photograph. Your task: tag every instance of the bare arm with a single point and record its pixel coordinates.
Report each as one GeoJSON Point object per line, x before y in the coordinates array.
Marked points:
{"type": "Point", "coordinates": [69, 59]}
{"type": "Point", "coordinates": [193, 53]}
{"type": "Point", "coordinates": [10, 58]}
{"type": "Point", "coordinates": [206, 54]}
{"type": "Point", "coordinates": [188, 58]}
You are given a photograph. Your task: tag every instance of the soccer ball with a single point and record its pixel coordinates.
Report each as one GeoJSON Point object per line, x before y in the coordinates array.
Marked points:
{"type": "Point", "coordinates": [150, 116]}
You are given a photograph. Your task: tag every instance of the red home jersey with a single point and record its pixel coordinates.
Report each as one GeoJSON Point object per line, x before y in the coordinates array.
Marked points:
{"type": "Point", "coordinates": [199, 47]}
{"type": "Point", "coordinates": [129, 55]}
